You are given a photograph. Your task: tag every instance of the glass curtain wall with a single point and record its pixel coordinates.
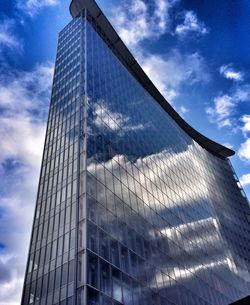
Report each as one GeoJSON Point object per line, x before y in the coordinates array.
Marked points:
{"type": "Point", "coordinates": [51, 269]}
{"type": "Point", "coordinates": [130, 209]}
{"type": "Point", "coordinates": [160, 209]}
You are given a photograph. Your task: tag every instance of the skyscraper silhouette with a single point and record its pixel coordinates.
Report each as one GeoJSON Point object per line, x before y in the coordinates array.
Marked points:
{"type": "Point", "coordinates": [134, 206]}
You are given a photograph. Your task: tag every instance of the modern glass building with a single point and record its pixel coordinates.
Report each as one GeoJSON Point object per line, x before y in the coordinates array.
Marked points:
{"type": "Point", "coordinates": [134, 206]}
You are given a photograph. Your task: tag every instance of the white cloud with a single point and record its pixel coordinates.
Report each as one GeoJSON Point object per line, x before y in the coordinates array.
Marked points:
{"type": "Point", "coordinates": [23, 103]}
{"type": "Point", "coordinates": [183, 110]}
{"type": "Point", "coordinates": [18, 87]}
{"type": "Point", "coordinates": [31, 7]}
{"type": "Point", "coordinates": [169, 72]}
{"type": "Point", "coordinates": [19, 209]}
{"type": "Point", "coordinates": [191, 24]}
{"type": "Point", "coordinates": [242, 93]}
{"type": "Point", "coordinates": [23, 112]}
{"type": "Point", "coordinates": [135, 22]}
{"type": "Point", "coordinates": [22, 138]}
{"type": "Point", "coordinates": [246, 121]}
{"type": "Point", "coordinates": [104, 117]}
{"type": "Point", "coordinates": [244, 150]}
{"type": "Point", "coordinates": [161, 13]}
{"type": "Point", "coordinates": [245, 179]}
{"type": "Point", "coordinates": [224, 106]}
{"type": "Point", "coordinates": [113, 120]}
{"type": "Point", "coordinates": [230, 73]}
{"type": "Point", "coordinates": [7, 36]}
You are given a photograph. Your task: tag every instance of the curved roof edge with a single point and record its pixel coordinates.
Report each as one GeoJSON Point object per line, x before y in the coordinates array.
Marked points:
{"type": "Point", "coordinates": [76, 7]}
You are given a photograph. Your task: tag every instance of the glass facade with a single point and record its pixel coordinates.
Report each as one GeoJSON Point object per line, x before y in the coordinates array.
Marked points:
{"type": "Point", "coordinates": [130, 209]}
{"type": "Point", "coordinates": [51, 269]}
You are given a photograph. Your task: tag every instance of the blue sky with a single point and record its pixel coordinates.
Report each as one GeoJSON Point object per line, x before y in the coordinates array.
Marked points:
{"type": "Point", "coordinates": [196, 52]}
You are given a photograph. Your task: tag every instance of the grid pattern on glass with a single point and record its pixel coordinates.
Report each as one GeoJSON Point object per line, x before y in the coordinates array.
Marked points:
{"type": "Point", "coordinates": [160, 208]}
{"type": "Point", "coordinates": [50, 275]}
{"type": "Point", "coordinates": [166, 222]}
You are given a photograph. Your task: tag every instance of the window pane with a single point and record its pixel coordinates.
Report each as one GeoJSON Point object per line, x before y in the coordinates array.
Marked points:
{"type": "Point", "coordinates": [58, 278]}
{"type": "Point", "coordinates": [105, 280]}
{"type": "Point", "coordinates": [71, 271]}
{"type": "Point", "coordinates": [64, 274]}
{"type": "Point", "coordinates": [93, 270]}
{"type": "Point", "coordinates": [93, 297]}
{"type": "Point", "coordinates": [116, 285]}
{"type": "Point", "coordinates": [51, 281]}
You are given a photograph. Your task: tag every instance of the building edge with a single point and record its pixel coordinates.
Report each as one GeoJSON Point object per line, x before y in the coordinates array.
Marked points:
{"type": "Point", "coordinates": [125, 56]}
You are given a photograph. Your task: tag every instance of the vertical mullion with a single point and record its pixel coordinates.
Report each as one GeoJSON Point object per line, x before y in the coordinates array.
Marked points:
{"type": "Point", "coordinates": [85, 149]}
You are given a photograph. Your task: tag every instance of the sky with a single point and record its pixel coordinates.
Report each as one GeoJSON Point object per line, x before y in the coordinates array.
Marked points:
{"type": "Point", "coordinates": [197, 53]}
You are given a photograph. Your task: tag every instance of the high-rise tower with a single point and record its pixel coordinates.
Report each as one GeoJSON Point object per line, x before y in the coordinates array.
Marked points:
{"type": "Point", "coordinates": [134, 206]}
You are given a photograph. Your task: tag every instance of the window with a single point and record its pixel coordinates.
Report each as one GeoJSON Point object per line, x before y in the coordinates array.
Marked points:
{"type": "Point", "coordinates": [127, 291]}
{"type": "Point", "coordinates": [93, 270]}
{"type": "Point", "coordinates": [60, 246]}
{"type": "Point", "coordinates": [35, 266]}
{"type": "Point", "coordinates": [116, 285]}
{"type": "Point", "coordinates": [133, 262]}
{"type": "Point", "coordinates": [71, 271]}
{"type": "Point", "coordinates": [38, 288]}
{"type": "Point", "coordinates": [45, 285]}
{"type": "Point", "coordinates": [58, 278]}
{"type": "Point", "coordinates": [92, 237]}
{"type": "Point", "coordinates": [124, 259]}
{"type": "Point", "coordinates": [48, 252]}
{"type": "Point", "coordinates": [54, 246]}
{"type": "Point", "coordinates": [93, 297]}
{"type": "Point", "coordinates": [72, 239]}
{"type": "Point", "coordinates": [64, 273]}
{"type": "Point", "coordinates": [30, 265]}
{"type": "Point", "coordinates": [104, 245]}
{"type": "Point", "coordinates": [51, 281]}
{"type": "Point", "coordinates": [66, 243]}
{"type": "Point", "coordinates": [105, 277]}
{"type": "Point", "coordinates": [31, 300]}
{"type": "Point", "coordinates": [114, 253]}
{"type": "Point", "coordinates": [91, 206]}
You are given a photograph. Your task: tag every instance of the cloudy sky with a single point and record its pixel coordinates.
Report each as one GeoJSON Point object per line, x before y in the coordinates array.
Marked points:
{"type": "Point", "coordinates": [196, 52]}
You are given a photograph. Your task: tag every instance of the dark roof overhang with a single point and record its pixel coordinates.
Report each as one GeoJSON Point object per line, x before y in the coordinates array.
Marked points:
{"type": "Point", "coordinates": [76, 7]}
{"type": "Point", "coordinates": [244, 301]}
